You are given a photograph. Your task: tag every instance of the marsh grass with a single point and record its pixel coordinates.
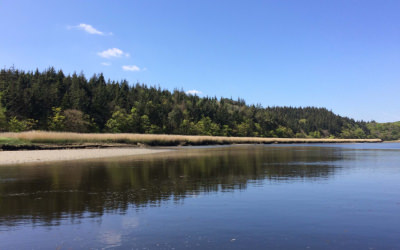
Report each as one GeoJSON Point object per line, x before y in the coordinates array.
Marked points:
{"type": "Point", "coordinates": [156, 139]}
{"type": "Point", "coordinates": [12, 141]}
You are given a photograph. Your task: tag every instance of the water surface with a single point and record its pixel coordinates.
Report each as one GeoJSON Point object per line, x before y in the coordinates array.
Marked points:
{"type": "Point", "coordinates": [328, 196]}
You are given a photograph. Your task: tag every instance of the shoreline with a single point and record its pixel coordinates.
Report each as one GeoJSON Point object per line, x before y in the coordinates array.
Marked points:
{"type": "Point", "coordinates": [61, 146]}
{"type": "Point", "coordinates": [36, 140]}
{"type": "Point", "coordinates": [41, 146]}
{"type": "Point", "coordinates": [93, 152]}
{"type": "Point", "coordinates": [58, 155]}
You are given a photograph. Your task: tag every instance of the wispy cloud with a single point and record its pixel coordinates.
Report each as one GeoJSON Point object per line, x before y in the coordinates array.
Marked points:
{"type": "Point", "coordinates": [105, 63]}
{"type": "Point", "coordinates": [114, 52]}
{"type": "Point", "coordinates": [193, 92]}
{"type": "Point", "coordinates": [89, 29]}
{"type": "Point", "coordinates": [130, 68]}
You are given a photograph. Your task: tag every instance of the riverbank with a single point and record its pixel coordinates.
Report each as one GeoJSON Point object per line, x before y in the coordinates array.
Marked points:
{"type": "Point", "coordinates": [34, 140]}
{"type": "Point", "coordinates": [39, 156]}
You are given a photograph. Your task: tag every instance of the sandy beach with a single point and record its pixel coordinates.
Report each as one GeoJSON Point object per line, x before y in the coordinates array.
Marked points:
{"type": "Point", "coordinates": [32, 156]}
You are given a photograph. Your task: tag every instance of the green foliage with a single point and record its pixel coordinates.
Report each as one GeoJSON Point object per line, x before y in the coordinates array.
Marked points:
{"type": "Point", "coordinates": [226, 130]}
{"type": "Point", "coordinates": [359, 133]}
{"type": "Point", "coordinates": [206, 127]}
{"type": "Point", "coordinates": [145, 125]}
{"type": "Point", "coordinates": [56, 122]}
{"type": "Point", "coordinates": [315, 134]}
{"type": "Point", "coordinates": [134, 119]}
{"type": "Point", "coordinates": [353, 132]}
{"type": "Point", "coordinates": [283, 132]}
{"type": "Point", "coordinates": [244, 129]}
{"type": "Point", "coordinates": [386, 131]}
{"type": "Point", "coordinates": [119, 121]}
{"type": "Point", "coordinates": [12, 141]}
{"type": "Point", "coordinates": [15, 125]}
{"type": "Point", "coordinates": [3, 118]}
{"type": "Point", "coordinates": [75, 103]}
{"type": "Point", "coordinates": [154, 129]}
{"type": "Point", "coordinates": [303, 121]}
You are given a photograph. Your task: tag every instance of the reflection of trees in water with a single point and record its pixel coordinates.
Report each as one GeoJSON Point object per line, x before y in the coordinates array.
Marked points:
{"type": "Point", "coordinates": [50, 193]}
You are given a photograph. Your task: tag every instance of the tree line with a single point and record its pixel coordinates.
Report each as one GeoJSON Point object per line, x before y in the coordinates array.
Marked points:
{"type": "Point", "coordinates": [51, 100]}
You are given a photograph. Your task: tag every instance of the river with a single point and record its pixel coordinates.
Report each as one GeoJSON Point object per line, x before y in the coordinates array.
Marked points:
{"type": "Point", "coordinates": [306, 196]}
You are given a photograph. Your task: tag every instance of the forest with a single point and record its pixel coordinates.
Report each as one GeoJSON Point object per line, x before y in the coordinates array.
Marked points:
{"type": "Point", "coordinates": [52, 101]}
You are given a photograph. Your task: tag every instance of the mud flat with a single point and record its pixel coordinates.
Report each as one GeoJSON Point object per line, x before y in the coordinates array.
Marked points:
{"type": "Point", "coordinates": [38, 156]}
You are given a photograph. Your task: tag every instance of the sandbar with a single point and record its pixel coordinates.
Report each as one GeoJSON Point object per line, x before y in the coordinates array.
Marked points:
{"type": "Point", "coordinates": [38, 156]}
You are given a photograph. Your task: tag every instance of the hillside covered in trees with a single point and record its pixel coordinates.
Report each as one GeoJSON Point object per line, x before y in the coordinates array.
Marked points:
{"type": "Point", "coordinates": [51, 100]}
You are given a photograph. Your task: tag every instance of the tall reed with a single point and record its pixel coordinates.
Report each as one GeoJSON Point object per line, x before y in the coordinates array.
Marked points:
{"type": "Point", "coordinates": [160, 139]}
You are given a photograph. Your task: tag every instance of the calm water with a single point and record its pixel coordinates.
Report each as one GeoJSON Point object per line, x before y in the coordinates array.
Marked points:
{"type": "Point", "coordinates": [236, 197]}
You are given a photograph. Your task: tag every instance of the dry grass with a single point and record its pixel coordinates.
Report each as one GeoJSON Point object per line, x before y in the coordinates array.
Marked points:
{"type": "Point", "coordinates": [160, 140]}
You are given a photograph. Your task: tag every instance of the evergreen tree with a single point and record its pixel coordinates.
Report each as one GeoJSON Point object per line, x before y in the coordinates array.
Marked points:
{"type": "Point", "coordinates": [51, 100]}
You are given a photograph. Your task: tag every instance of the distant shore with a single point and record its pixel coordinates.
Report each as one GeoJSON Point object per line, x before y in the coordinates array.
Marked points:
{"type": "Point", "coordinates": [38, 146]}
{"type": "Point", "coordinates": [36, 140]}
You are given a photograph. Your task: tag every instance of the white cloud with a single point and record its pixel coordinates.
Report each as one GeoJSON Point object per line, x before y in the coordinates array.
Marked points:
{"type": "Point", "coordinates": [130, 68]}
{"type": "Point", "coordinates": [193, 92]}
{"type": "Point", "coordinates": [105, 63]}
{"type": "Point", "coordinates": [89, 29]}
{"type": "Point", "coordinates": [114, 52]}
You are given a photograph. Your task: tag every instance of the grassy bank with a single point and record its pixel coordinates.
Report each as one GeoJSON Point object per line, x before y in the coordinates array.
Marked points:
{"type": "Point", "coordinates": [60, 138]}
{"type": "Point", "coordinates": [12, 141]}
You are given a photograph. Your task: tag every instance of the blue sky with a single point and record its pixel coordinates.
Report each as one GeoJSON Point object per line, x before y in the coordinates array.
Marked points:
{"type": "Point", "coordinates": [342, 55]}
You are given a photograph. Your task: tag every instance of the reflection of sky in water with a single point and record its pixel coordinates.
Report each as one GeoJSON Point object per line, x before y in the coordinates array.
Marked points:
{"type": "Point", "coordinates": [110, 239]}
{"type": "Point", "coordinates": [352, 146]}
{"type": "Point", "coordinates": [113, 227]}
{"type": "Point", "coordinates": [281, 197]}
{"type": "Point", "coordinates": [130, 222]}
